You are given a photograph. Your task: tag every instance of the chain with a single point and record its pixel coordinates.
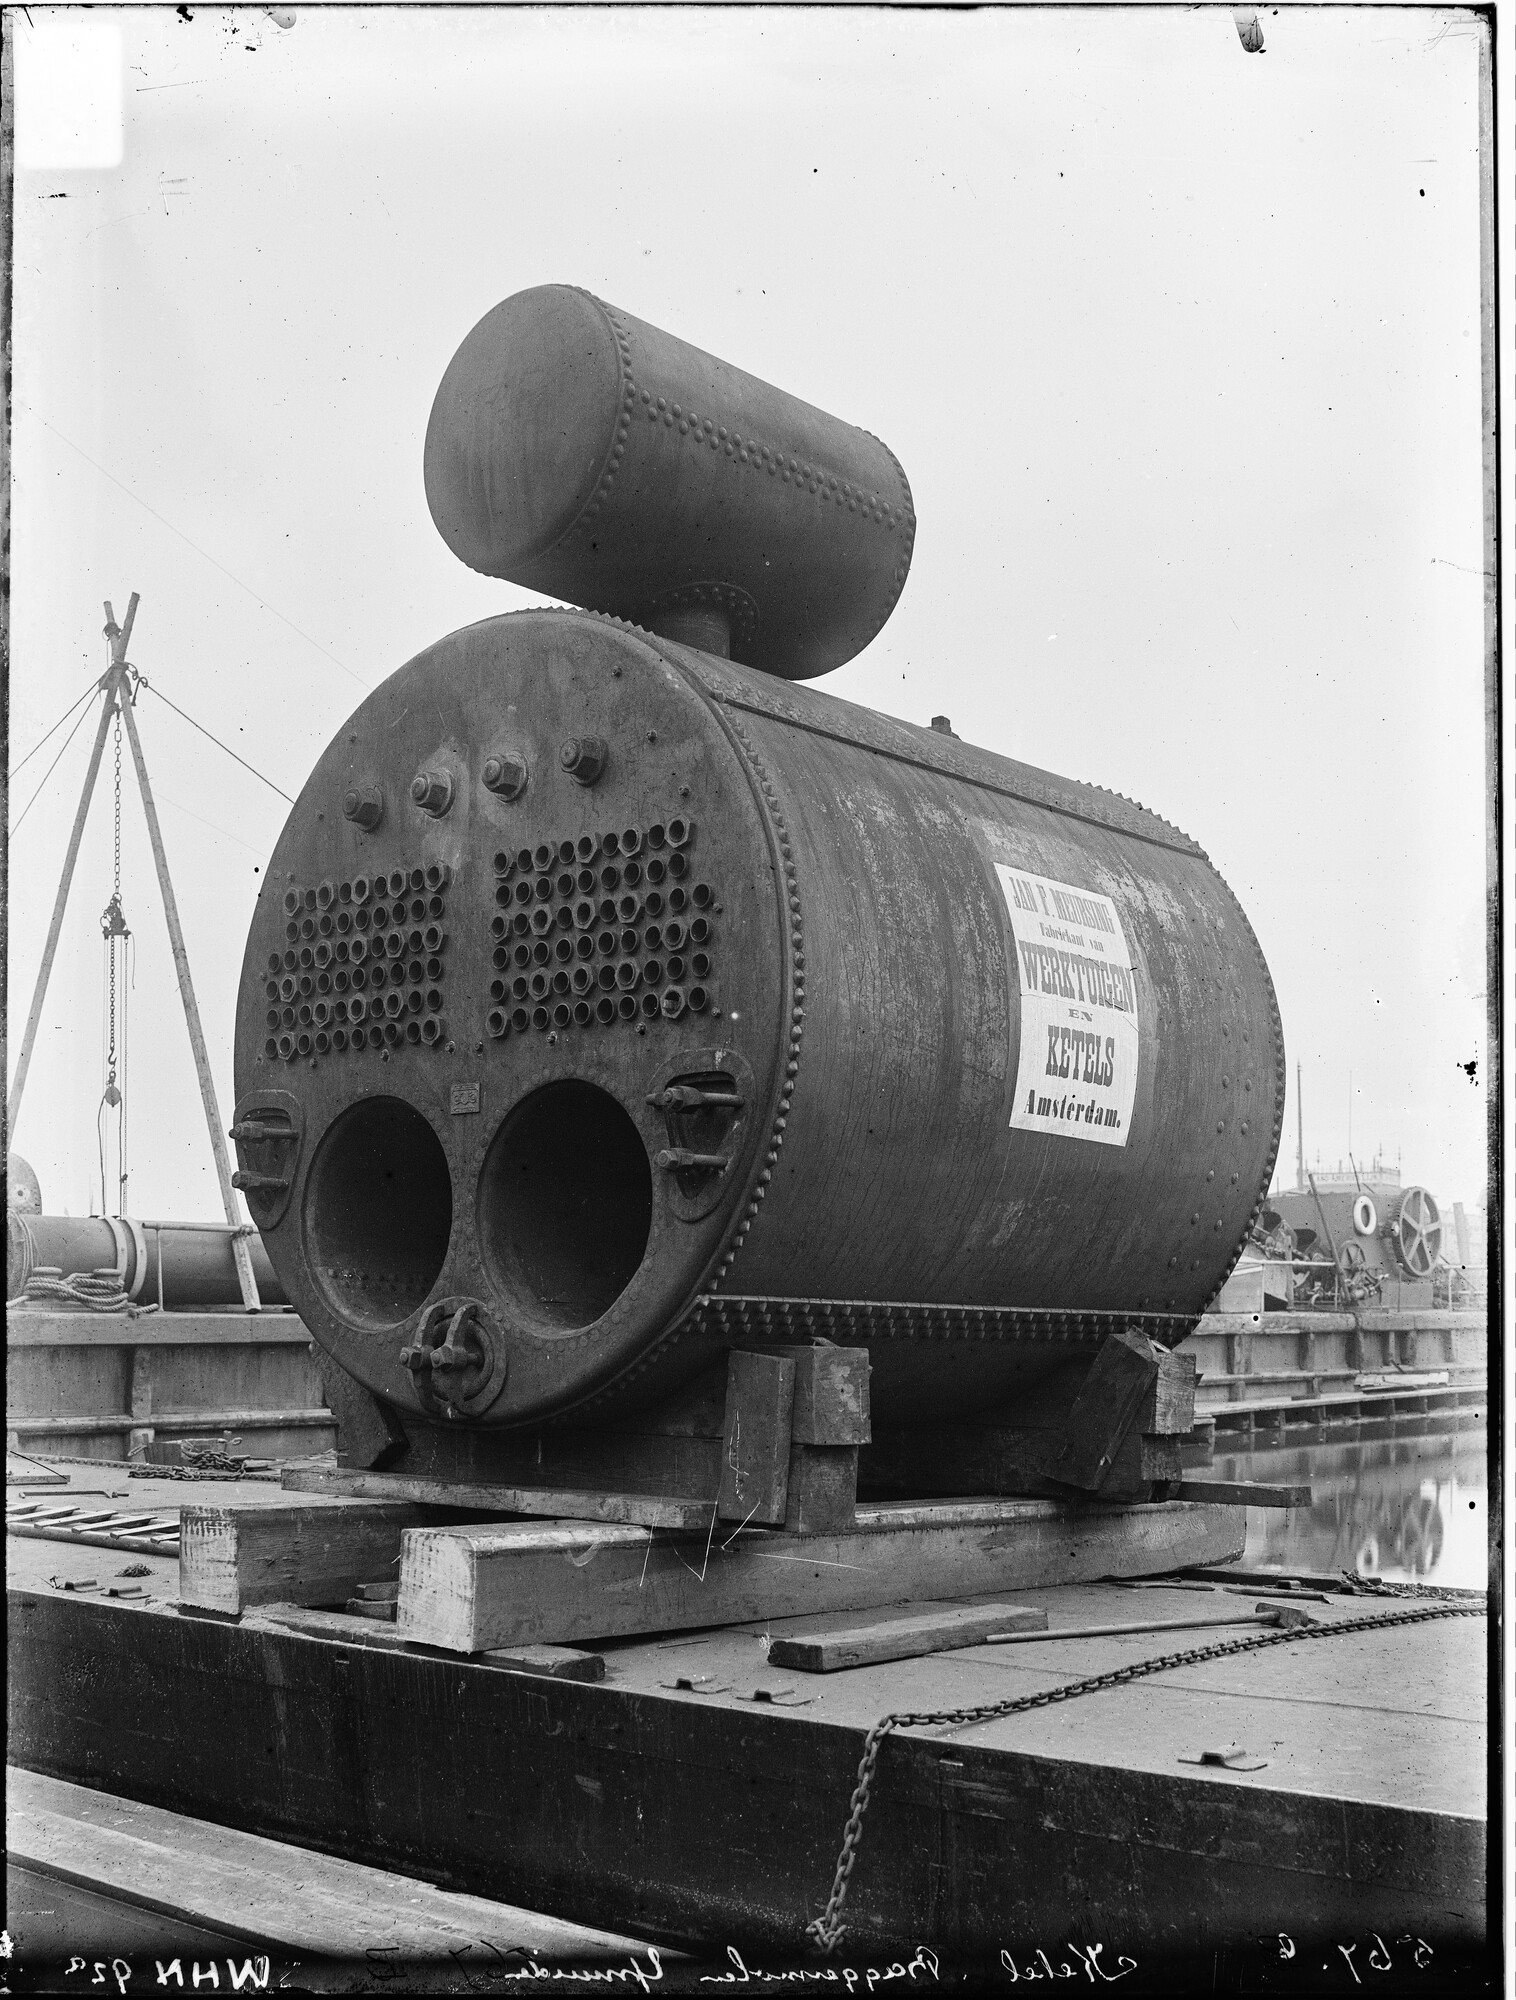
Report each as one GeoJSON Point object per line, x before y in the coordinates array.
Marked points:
{"type": "Point", "coordinates": [827, 1929]}
{"type": "Point", "coordinates": [116, 882]}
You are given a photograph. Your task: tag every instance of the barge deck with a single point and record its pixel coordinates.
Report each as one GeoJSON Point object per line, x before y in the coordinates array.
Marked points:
{"type": "Point", "coordinates": [695, 1795]}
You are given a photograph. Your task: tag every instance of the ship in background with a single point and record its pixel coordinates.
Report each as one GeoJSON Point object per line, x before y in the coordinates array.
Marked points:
{"type": "Point", "coordinates": [1358, 1236]}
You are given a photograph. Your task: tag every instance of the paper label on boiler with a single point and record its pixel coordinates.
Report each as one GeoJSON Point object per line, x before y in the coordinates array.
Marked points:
{"type": "Point", "coordinates": [1077, 1071]}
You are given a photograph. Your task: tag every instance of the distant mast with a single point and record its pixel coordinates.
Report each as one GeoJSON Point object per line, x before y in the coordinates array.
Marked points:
{"type": "Point", "coordinates": [1299, 1133]}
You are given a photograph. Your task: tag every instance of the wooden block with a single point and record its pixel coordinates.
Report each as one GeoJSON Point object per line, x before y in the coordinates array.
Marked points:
{"type": "Point", "coordinates": [559, 1663]}
{"type": "Point", "coordinates": [831, 1394]}
{"type": "Point", "coordinates": [1237, 1493]}
{"type": "Point", "coordinates": [755, 1442]}
{"type": "Point", "coordinates": [464, 1496]}
{"type": "Point", "coordinates": [471, 1589]}
{"type": "Point", "coordinates": [231, 1557]}
{"type": "Point", "coordinates": [870, 1644]}
{"type": "Point", "coordinates": [1171, 1407]}
{"type": "Point", "coordinates": [1139, 1463]}
{"type": "Point", "coordinates": [371, 1607]}
{"type": "Point", "coordinates": [823, 1489]}
{"type": "Point", "coordinates": [1105, 1409]}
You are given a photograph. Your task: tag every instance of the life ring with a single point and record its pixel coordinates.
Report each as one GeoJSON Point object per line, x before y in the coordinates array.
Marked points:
{"type": "Point", "coordinates": [1365, 1215]}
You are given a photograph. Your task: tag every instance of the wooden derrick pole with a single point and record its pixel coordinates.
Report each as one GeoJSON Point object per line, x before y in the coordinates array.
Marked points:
{"type": "Point", "coordinates": [49, 950]}
{"type": "Point", "coordinates": [116, 686]}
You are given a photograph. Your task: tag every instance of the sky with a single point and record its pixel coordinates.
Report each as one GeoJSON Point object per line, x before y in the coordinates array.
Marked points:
{"type": "Point", "coordinates": [1179, 347]}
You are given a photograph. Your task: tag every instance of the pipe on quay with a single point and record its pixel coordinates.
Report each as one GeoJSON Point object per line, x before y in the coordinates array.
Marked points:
{"type": "Point", "coordinates": [172, 1264]}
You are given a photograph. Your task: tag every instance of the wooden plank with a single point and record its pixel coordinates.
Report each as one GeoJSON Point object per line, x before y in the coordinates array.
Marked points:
{"type": "Point", "coordinates": [937, 1631]}
{"type": "Point", "coordinates": [468, 1589]}
{"type": "Point", "coordinates": [1106, 1408]}
{"type": "Point", "coordinates": [640, 1509]}
{"type": "Point", "coordinates": [831, 1394]}
{"type": "Point", "coordinates": [231, 1557]}
{"type": "Point", "coordinates": [132, 1544]}
{"type": "Point", "coordinates": [573, 1663]}
{"type": "Point", "coordinates": [279, 1897]}
{"type": "Point", "coordinates": [671, 1465]}
{"type": "Point", "coordinates": [755, 1440]}
{"type": "Point", "coordinates": [1239, 1493]}
{"type": "Point", "coordinates": [179, 1422]}
{"type": "Point", "coordinates": [30, 1327]}
{"type": "Point", "coordinates": [823, 1489]}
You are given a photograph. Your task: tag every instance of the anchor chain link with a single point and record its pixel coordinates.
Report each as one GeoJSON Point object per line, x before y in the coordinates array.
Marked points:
{"type": "Point", "coordinates": [828, 1928]}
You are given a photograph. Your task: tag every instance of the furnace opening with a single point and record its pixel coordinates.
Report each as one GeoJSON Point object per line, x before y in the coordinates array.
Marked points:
{"type": "Point", "coordinates": [565, 1204]}
{"type": "Point", "coordinates": [378, 1212]}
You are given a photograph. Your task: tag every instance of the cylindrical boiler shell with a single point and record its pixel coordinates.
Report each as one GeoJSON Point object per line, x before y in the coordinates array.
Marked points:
{"type": "Point", "coordinates": [975, 1037]}
{"type": "Point", "coordinates": [577, 451]}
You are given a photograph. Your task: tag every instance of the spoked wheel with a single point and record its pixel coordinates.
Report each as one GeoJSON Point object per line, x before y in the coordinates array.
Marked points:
{"type": "Point", "coordinates": [1418, 1233]}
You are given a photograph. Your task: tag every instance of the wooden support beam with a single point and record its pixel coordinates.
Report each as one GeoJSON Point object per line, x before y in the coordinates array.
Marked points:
{"type": "Point", "coordinates": [196, 1423]}
{"type": "Point", "coordinates": [664, 1464]}
{"type": "Point", "coordinates": [823, 1489]}
{"type": "Point", "coordinates": [559, 1663]}
{"type": "Point", "coordinates": [940, 1630]}
{"type": "Point", "coordinates": [1238, 1493]}
{"type": "Point", "coordinates": [1140, 1462]}
{"type": "Point", "coordinates": [755, 1441]}
{"type": "Point", "coordinates": [640, 1509]}
{"type": "Point", "coordinates": [831, 1394]}
{"type": "Point", "coordinates": [232, 1557]}
{"type": "Point", "coordinates": [469, 1589]}
{"type": "Point", "coordinates": [1170, 1410]}
{"type": "Point", "coordinates": [1106, 1408]}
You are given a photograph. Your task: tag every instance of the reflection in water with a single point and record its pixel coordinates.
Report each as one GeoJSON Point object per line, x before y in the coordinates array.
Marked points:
{"type": "Point", "coordinates": [1408, 1509]}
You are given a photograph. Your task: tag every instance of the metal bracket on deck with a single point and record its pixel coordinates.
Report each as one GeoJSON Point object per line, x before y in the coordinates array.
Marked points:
{"type": "Point", "coordinates": [1230, 1758]}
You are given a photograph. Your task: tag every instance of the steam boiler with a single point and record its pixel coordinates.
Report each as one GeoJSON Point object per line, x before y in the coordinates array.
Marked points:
{"type": "Point", "coordinates": [615, 998]}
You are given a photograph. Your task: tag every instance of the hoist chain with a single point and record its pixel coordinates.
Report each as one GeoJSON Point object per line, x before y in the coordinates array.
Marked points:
{"type": "Point", "coordinates": [828, 1928]}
